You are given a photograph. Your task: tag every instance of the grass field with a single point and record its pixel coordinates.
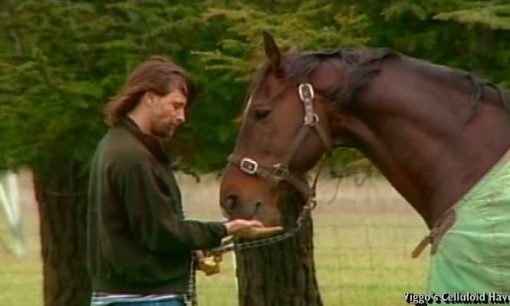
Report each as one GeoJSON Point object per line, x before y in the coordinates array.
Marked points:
{"type": "Point", "coordinates": [363, 241]}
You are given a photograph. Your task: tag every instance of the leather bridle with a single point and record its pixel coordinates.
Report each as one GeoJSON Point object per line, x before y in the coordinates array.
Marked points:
{"type": "Point", "coordinates": [280, 171]}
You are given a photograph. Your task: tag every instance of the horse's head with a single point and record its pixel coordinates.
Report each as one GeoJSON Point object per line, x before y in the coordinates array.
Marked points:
{"type": "Point", "coordinates": [408, 116]}
{"type": "Point", "coordinates": [284, 132]}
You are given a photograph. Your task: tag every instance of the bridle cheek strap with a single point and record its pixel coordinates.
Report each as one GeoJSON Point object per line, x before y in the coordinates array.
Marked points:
{"type": "Point", "coordinates": [280, 171]}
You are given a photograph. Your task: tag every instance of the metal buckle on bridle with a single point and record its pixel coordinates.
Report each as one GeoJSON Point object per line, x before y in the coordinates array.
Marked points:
{"type": "Point", "coordinates": [305, 92]}
{"type": "Point", "coordinates": [280, 172]}
{"type": "Point", "coordinates": [248, 165]}
{"type": "Point", "coordinates": [311, 119]}
{"type": "Point", "coordinates": [310, 204]}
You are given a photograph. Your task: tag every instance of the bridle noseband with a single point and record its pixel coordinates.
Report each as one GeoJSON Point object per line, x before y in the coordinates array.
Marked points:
{"type": "Point", "coordinates": [280, 171]}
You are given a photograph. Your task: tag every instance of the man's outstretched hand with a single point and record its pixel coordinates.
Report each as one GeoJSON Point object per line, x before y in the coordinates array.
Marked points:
{"type": "Point", "coordinates": [247, 229]}
{"type": "Point", "coordinates": [250, 229]}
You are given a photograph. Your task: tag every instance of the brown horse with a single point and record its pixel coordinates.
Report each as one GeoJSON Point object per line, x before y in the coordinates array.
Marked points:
{"type": "Point", "coordinates": [432, 131]}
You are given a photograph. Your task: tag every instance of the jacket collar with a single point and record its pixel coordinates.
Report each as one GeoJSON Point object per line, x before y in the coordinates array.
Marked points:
{"type": "Point", "coordinates": [154, 144]}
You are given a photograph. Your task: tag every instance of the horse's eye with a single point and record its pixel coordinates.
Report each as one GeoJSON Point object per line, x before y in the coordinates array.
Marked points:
{"type": "Point", "coordinates": [261, 114]}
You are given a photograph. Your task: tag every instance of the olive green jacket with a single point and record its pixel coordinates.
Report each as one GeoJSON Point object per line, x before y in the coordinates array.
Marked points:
{"type": "Point", "coordinates": [138, 240]}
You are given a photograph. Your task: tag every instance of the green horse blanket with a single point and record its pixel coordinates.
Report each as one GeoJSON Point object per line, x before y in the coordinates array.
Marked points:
{"type": "Point", "coordinates": [473, 256]}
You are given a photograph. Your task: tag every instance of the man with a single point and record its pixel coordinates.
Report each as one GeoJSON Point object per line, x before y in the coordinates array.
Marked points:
{"type": "Point", "coordinates": [139, 245]}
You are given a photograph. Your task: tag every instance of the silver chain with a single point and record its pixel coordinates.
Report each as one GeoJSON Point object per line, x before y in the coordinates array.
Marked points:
{"type": "Point", "coordinates": [191, 298]}
{"type": "Point", "coordinates": [231, 245]}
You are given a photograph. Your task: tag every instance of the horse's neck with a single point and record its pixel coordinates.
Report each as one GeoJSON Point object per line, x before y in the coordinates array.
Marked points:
{"type": "Point", "coordinates": [419, 139]}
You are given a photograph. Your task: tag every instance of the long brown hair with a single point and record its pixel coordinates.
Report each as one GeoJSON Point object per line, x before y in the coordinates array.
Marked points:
{"type": "Point", "coordinates": [158, 75]}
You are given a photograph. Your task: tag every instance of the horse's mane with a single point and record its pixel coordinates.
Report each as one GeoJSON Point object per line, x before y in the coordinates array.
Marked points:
{"type": "Point", "coordinates": [478, 87]}
{"type": "Point", "coordinates": [364, 65]}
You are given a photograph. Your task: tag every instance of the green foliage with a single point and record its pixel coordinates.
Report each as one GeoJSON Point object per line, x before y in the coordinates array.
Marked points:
{"type": "Point", "coordinates": [464, 34]}
{"type": "Point", "coordinates": [60, 60]}
{"type": "Point", "coordinates": [61, 66]}
{"type": "Point", "coordinates": [307, 25]}
{"type": "Point", "coordinates": [494, 15]}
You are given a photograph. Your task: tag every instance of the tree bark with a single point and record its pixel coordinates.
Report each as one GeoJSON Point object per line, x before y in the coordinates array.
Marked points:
{"type": "Point", "coordinates": [62, 211]}
{"type": "Point", "coordinates": [282, 274]}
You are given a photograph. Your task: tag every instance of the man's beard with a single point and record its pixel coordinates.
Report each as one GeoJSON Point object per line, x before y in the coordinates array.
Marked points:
{"type": "Point", "coordinates": [164, 131]}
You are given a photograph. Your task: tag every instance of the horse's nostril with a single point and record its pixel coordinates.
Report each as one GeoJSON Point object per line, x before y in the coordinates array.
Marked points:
{"type": "Point", "coordinates": [257, 207]}
{"type": "Point", "coordinates": [231, 203]}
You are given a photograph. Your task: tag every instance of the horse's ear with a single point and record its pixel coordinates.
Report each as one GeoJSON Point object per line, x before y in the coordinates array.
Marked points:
{"type": "Point", "coordinates": [272, 52]}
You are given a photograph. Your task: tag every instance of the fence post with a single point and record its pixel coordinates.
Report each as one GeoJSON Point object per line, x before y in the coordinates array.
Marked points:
{"type": "Point", "coordinates": [9, 200]}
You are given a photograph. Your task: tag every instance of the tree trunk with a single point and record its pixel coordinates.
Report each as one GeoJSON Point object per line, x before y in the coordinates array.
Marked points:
{"type": "Point", "coordinates": [282, 274]}
{"type": "Point", "coordinates": [62, 212]}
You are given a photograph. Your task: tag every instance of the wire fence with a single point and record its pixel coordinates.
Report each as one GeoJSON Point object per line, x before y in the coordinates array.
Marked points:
{"type": "Point", "coordinates": [363, 240]}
